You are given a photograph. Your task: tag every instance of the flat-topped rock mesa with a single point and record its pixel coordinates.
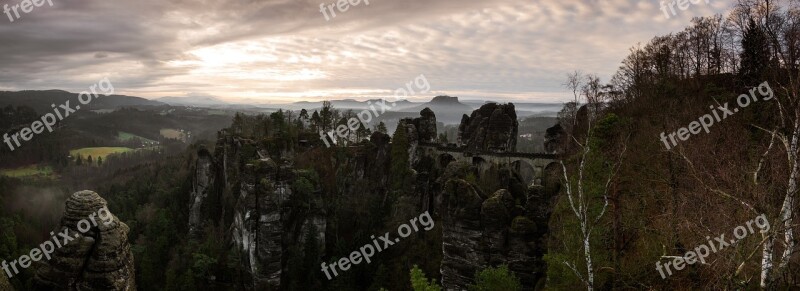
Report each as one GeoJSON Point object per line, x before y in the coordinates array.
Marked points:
{"type": "Point", "coordinates": [99, 259]}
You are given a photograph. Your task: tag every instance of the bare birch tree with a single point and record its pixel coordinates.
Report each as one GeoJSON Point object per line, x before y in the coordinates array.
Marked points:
{"type": "Point", "coordinates": [577, 194]}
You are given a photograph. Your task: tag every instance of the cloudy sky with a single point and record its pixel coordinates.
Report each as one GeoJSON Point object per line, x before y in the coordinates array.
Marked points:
{"type": "Point", "coordinates": [284, 50]}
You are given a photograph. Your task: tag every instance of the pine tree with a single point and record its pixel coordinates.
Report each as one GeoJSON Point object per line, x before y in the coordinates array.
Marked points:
{"type": "Point", "coordinates": [755, 53]}
{"type": "Point", "coordinates": [315, 120]}
{"type": "Point", "coordinates": [381, 127]}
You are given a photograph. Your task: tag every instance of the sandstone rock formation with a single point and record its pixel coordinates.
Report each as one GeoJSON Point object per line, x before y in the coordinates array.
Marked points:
{"type": "Point", "coordinates": [480, 230]}
{"type": "Point", "coordinates": [246, 190]}
{"type": "Point", "coordinates": [4, 284]}
{"type": "Point", "coordinates": [492, 127]}
{"type": "Point", "coordinates": [419, 130]}
{"type": "Point", "coordinates": [553, 139]}
{"type": "Point", "coordinates": [203, 180]}
{"type": "Point", "coordinates": [99, 259]}
{"type": "Point", "coordinates": [488, 215]}
{"type": "Point", "coordinates": [424, 126]}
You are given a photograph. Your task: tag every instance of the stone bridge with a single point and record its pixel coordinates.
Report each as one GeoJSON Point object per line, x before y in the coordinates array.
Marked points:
{"type": "Point", "coordinates": [530, 166]}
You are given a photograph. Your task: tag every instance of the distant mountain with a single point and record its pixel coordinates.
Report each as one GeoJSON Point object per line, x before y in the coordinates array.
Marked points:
{"type": "Point", "coordinates": [41, 100]}
{"type": "Point", "coordinates": [400, 105]}
{"type": "Point", "coordinates": [342, 104]}
{"type": "Point", "coordinates": [199, 101]}
{"type": "Point", "coordinates": [447, 109]}
{"type": "Point", "coordinates": [444, 103]}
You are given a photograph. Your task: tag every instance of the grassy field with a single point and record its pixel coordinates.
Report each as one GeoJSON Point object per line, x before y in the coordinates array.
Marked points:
{"type": "Point", "coordinates": [101, 152]}
{"type": "Point", "coordinates": [173, 134]}
{"type": "Point", "coordinates": [124, 136]}
{"type": "Point", "coordinates": [27, 171]}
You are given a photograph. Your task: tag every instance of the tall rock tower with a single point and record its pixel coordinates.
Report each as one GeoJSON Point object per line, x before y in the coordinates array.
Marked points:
{"type": "Point", "coordinates": [99, 258]}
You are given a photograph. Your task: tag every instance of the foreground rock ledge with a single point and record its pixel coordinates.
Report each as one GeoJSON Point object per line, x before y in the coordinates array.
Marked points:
{"type": "Point", "coordinates": [99, 259]}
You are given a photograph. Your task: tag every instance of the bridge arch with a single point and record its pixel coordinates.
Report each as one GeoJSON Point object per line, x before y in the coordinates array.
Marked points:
{"type": "Point", "coordinates": [444, 159]}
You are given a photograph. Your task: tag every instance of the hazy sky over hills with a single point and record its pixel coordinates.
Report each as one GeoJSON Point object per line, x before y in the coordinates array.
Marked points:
{"type": "Point", "coordinates": [285, 51]}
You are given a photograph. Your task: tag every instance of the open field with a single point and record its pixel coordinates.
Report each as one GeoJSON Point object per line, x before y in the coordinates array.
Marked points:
{"type": "Point", "coordinates": [173, 134]}
{"type": "Point", "coordinates": [27, 171]}
{"type": "Point", "coordinates": [101, 152]}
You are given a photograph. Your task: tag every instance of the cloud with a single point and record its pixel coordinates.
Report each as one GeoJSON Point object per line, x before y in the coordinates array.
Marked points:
{"type": "Point", "coordinates": [285, 50]}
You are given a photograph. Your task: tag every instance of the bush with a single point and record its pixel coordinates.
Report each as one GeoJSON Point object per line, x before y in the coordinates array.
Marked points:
{"type": "Point", "coordinates": [496, 279]}
{"type": "Point", "coordinates": [420, 283]}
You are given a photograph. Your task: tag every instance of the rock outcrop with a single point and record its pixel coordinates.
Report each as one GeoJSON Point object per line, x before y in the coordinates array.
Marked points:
{"type": "Point", "coordinates": [492, 128]}
{"type": "Point", "coordinates": [4, 284]}
{"type": "Point", "coordinates": [245, 189]}
{"type": "Point", "coordinates": [99, 258]}
{"type": "Point", "coordinates": [554, 139]}
{"type": "Point", "coordinates": [419, 130]}
{"type": "Point", "coordinates": [424, 126]}
{"type": "Point", "coordinates": [488, 215]}
{"type": "Point", "coordinates": [480, 231]}
{"type": "Point", "coordinates": [201, 186]}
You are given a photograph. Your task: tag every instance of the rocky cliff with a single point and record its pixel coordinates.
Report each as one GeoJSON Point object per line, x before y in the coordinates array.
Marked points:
{"type": "Point", "coordinates": [492, 127]}
{"type": "Point", "coordinates": [98, 259]}
{"type": "Point", "coordinates": [482, 230]}
{"type": "Point", "coordinates": [485, 214]}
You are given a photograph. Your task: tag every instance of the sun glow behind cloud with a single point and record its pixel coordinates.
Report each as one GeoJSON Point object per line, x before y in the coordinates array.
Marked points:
{"type": "Point", "coordinates": [282, 51]}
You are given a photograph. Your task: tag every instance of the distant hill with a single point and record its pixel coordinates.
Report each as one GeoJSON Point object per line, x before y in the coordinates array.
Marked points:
{"type": "Point", "coordinates": [342, 104]}
{"type": "Point", "coordinates": [41, 100]}
{"type": "Point", "coordinates": [198, 101]}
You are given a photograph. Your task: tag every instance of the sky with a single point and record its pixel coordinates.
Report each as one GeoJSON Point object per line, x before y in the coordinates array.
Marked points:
{"type": "Point", "coordinates": [279, 51]}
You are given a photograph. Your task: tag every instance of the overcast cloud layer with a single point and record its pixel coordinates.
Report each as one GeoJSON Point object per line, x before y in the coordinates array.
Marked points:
{"type": "Point", "coordinates": [285, 50]}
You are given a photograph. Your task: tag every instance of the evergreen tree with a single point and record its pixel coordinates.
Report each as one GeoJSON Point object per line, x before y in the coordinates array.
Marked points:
{"type": "Point", "coordinates": [381, 127]}
{"type": "Point", "coordinates": [755, 53]}
{"type": "Point", "coordinates": [327, 116]}
{"type": "Point", "coordinates": [303, 115]}
{"type": "Point", "coordinates": [362, 132]}
{"type": "Point", "coordinates": [316, 120]}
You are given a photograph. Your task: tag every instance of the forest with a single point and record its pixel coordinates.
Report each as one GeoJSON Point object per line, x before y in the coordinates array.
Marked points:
{"type": "Point", "coordinates": [613, 210]}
